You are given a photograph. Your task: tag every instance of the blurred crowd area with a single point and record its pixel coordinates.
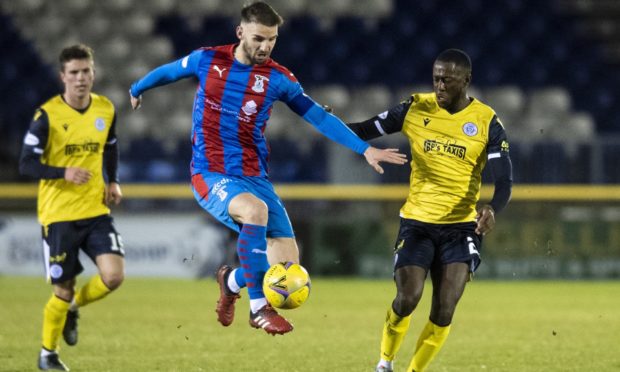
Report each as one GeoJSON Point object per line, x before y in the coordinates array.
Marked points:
{"type": "Point", "coordinates": [550, 69]}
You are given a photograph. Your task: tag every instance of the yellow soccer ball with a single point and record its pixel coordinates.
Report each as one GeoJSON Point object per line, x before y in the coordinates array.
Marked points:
{"type": "Point", "coordinates": [286, 285]}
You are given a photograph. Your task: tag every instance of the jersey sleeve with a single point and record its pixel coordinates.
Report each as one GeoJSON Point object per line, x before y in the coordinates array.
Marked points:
{"type": "Point", "coordinates": [500, 164]}
{"type": "Point", "coordinates": [111, 154]}
{"type": "Point", "coordinates": [498, 142]}
{"type": "Point", "coordinates": [34, 146]}
{"type": "Point", "coordinates": [329, 125]}
{"type": "Point", "coordinates": [290, 88]}
{"type": "Point", "coordinates": [387, 122]}
{"type": "Point", "coordinates": [168, 73]}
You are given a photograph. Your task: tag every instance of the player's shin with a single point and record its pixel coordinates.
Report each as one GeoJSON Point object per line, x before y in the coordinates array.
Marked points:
{"type": "Point", "coordinates": [252, 251]}
{"type": "Point", "coordinates": [54, 316]}
{"type": "Point", "coordinates": [394, 330]}
{"type": "Point", "coordinates": [92, 291]}
{"type": "Point", "coordinates": [430, 342]}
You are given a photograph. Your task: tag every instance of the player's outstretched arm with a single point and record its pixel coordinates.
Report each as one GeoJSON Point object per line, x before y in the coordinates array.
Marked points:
{"type": "Point", "coordinates": [162, 75]}
{"type": "Point", "coordinates": [374, 156]}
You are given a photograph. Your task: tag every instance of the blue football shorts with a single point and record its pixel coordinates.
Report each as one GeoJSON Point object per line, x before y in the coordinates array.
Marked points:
{"type": "Point", "coordinates": [62, 242]}
{"type": "Point", "coordinates": [427, 244]}
{"type": "Point", "coordinates": [214, 191]}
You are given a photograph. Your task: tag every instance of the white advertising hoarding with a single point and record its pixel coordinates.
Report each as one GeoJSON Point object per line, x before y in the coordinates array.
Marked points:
{"type": "Point", "coordinates": [158, 245]}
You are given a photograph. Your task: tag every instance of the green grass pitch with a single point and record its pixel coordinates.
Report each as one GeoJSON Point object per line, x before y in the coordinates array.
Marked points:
{"type": "Point", "coordinates": [170, 325]}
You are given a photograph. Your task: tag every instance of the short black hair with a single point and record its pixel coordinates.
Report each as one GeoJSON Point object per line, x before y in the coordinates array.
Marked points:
{"type": "Point", "coordinates": [456, 56]}
{"type": "Point", "coordinates": [78, 51]}
{"type": "Point", "coordinates": [261, 13]}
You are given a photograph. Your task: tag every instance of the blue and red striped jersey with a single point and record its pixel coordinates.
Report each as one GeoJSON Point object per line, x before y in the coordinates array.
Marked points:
{"type": "Point", "coordinates": [232, 105]}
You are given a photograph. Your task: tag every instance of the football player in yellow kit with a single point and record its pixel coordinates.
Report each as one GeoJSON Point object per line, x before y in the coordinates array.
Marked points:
{"type": "Point", "coordinates": [71, 147]}
{"type": "Point", "coordinates": [452, 137]}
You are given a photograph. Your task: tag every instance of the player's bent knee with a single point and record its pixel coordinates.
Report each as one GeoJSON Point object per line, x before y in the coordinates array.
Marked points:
{"type": "Point", "coordinates": [113, 281]}
{"type": "Point", "coordinates": [255, 212]}
{"type": "Point", "coordinates": [258, 213]}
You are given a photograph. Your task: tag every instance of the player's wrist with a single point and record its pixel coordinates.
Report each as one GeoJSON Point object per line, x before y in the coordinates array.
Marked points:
{"type": "Point", "coordinates": [367, 150]}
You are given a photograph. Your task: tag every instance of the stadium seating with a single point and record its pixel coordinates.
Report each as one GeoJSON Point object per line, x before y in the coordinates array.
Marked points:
{"type": "Point", "coordinates": [547, 87]}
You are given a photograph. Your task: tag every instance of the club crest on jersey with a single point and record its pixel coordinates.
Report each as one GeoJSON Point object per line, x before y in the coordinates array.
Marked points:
{"type": "Point", "coordinates": [470, 129]}
{"type": "Point", "coordinates": [250, 108]}
{"type": "Point", "coordinates": [55, 271]}
{"type": "Point", "coordinates": [259, 83]}
{"type": "Point", "coordinates": [100, 124]}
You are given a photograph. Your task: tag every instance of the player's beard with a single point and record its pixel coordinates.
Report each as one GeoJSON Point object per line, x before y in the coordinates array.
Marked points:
{"type": "Point", "coordinates": [253, 55]}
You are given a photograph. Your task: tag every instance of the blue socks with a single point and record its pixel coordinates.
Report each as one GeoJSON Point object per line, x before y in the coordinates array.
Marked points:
{"type": "Point", "coordinates": [252, 251]}
{"type": "Point", "coordinates": [240, 277]}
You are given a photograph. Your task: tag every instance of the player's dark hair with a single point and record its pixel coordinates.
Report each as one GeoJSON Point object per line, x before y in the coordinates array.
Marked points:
{"type": "Point", "coordinates": [79, 51]}
{"type": "Point", "coordinates": [261, 13]}
{"type": "Point", "coordinates": [456, 56]}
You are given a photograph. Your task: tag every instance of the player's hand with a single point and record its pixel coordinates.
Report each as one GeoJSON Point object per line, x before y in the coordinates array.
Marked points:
{"type": "Point", "coordinates": [485, 220]}
{"type": "Point", "coordinates": [374, 156]}
{"type": "Point", "coordinates": [77, 175]}
{"type": "Point", "coordinates": [113, 193]}
{"type": "Point", "coordinates": [136, 103]}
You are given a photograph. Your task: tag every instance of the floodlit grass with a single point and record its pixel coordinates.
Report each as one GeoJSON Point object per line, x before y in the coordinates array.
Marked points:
{"type": "Point", "coordinates": [170, 325]}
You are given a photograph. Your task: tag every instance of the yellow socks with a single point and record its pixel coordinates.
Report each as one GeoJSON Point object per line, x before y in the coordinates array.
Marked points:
{"type": "Point", "coordinates": [430, 342]}
{"type": "Point", "coordinates": [92, 291]}
{"type": "Point", "coordinates": [55, 311]}
{"type": "Point", "coordinates": [54, 316]}
{"type": "Point", "coordinates": [394, 331]}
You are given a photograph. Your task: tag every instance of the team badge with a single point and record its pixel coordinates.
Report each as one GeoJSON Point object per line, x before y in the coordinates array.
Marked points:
{"type": "Point", "coordinates": [259, 83]}
{"type": "Point", "coordinates": [100, 124]}
{"type": "Point", "coordinates": [250, 108]}
{"type": "Point", "coordinates": [470, 129]}
{"type": "Point", "coordinates": [55, 271]}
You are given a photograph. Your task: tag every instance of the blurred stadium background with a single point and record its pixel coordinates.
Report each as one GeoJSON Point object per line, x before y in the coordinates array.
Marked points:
{"type": "Point", "coordinates": [551, 69]}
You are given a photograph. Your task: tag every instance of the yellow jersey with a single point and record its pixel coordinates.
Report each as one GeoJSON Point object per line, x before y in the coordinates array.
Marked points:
{"type": "Point", "coordinates": [74, 139]}
{"type": "Point", "coordinates": [448, 154]}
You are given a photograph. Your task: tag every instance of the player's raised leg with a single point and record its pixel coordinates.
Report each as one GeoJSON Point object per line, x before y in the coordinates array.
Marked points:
{"type": "Point", "coordinates": [252, 250]}
{"type": "Point", "coordinates": [105, 244]}
{"type": "Point", "coordinates": [111, 275]}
